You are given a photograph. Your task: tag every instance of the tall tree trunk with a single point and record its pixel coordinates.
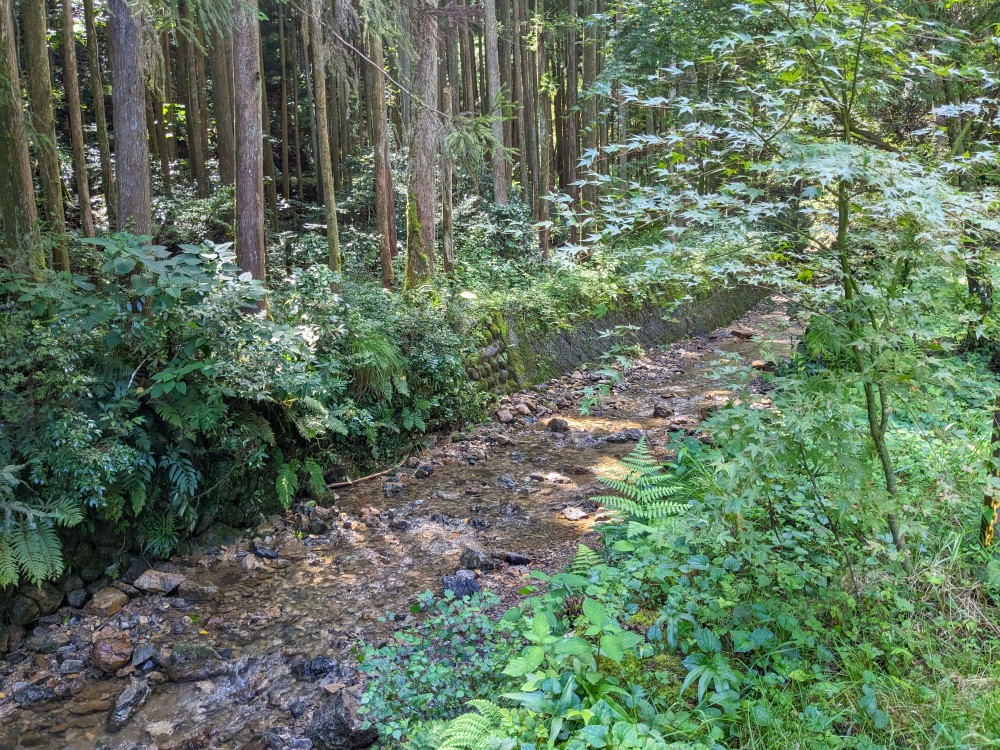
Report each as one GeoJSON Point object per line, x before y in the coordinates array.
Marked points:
{"type": "Point", "coordinates": [295, 116]}
{"type": "Point", "coordinates": [201, 89]}
{"type": "Point", "coordinates": [43, 123]}
{"type": "Point", "coordinates": [469, 93]}
{"type": "Point", "coordinates": [100, 116]}
{"type": "Point", "coordinates": [250, 247]}
{"type": "Point", "coordinates": [499, 156]}
{"type": "Point", "coordinates": [128, 97]}
{"type": "Point", "coordinates": [270, 181]}
{"type": "Point", "coordinates": [325, 166]}
{"type": "Point", "coordinates": [169, 109]}
{"type": "Point", "coordinates": [196, 154]}
{"type": "Point", "coordinates": [283, 57]}
{"type": "Point", "coordinates": [589, 114]}
{"type": "Point", "coordinates": [70, 78]}
{"type": "Point", "coordinates": [162, 139]}
{"type": "Point", "coordinates": [545, 155]}
{"type": "Point", "coordinates": [449, 103]}
{"type": "Point", "coordinates": [572, 153]}
{"type": "Point", "coordinates": [222, 102]}
{"type": "Point", "coordinates": [378, 116]}
{"type": "Point", "coordinates": [20, 244]}
{"type": "Point", "coordinates": [421, 204]}
{"type": "Point", "coordinates": [529, 86]}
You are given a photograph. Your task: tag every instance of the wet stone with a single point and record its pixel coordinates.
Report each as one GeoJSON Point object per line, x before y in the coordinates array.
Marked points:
{"type": "Point", "coordinates": [47, 643]}
{"type": "Point", "coordinates": [107, 601]}
{"type": "Point", "coordinates": [315, 668]}
{"type": "Point", "coordinates": [33, 695]}
{"type": "Point", "coordinates": [423, 471]}
{"type": "Point", "coordinates": [142, 653]}
{"type": "Point", "coordinates": [23, 610]}
{"type": "Point", "coordinates": [77, 597]}
{"type": "Point", "coordinates": [45, 595]}
{"type": "Point", "coordinates": [558, 425]}
{"type": "Point", "coordinates": [194, 661]}
{"type": "Point", "coordinates": [198, 592]}
{"type": "Point", "coordinates": [111, 654]}
{"type": "Point", "coordinates": [71, 666]}
{"type": "Point", "coordinates": [474, 559]}
{"type": "Point", "coordinates": [462, 584]}
{"type": "Point", "coordinates": [157, 582]}
{"type": "Point", "coordinates": [662, 410]}
{"type": "Point", "coordinates": [129, 701]}
{"type": "Point", "coordinates": [515, 558]}
{"type": "Point", "coordinates": [631, 435]}
{"type": "Point", "coordinates": [393, 488]}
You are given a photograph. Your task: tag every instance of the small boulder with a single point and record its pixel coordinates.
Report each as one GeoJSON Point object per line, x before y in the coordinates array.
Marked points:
{"type": "Point", "coordinates": [523, 409]}
{"type": "Point", "coordinates": [515, 558]}
{"type": "Point", "coordinates": [130, 700]}
{"type": "Point", "coordinates": [194, 661]}
{"type": "Point", "coordinates": [574, 513]}
{"type": "Point", "coordinates": [462, 584]}
{"type": "Point", "coordinates": [157, 582]}
{"type": "Point", "coordinates": [423, 471]}
{"type": "Point", "coordinates": [33, 695]}
{"type": "Point", "coordinates": [23, 611]}
{"type": "Point", "coordinates": [742, 334]}
{"type": "Point", "coordinates": [110, 654]}
{"type": "Point", "coordinates": [393, 488]}
{"type": "Point", "coordinates": [107, 602]}
{"type": "Point", "coordinates": [763, 365]}
{"type": "Point", "coordinates": [336, 724]}
{"type": "Point", "coordinates": [504, 416]}
{"type": "Point", "coordinates": [47, 642]}
{"type": "Point", "coordinates": [631, 435]}
{"type": "Point", "coordinates": [663, 410]}
{"type": "Point", "coordinates": [558, 425]}
{"type": "Point", "coordinates": [46, 596]}
{"type": "Point", "coordinates": [198, 592]}
{"type": "Point", "coordinates": [71, 666]}
{"type": "Point", "coordinates": [77, 597]}
{"type": "Point", "coordinates": [475, 559]}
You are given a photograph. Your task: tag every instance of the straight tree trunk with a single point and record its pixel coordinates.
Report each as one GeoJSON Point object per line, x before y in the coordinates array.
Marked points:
{"type": "Point", "coordinates": [283, 57]}
{"type": "Point", "coordinates": [572, 154]}
{"type": "Point", "coordinates": [421, 204]}
{"type": "Point", "coordinates": [169, 110]}
{"type": "Point", "coordinates": [449, 103]}
{"type": "Point", "coordinates": [315, 41]}
{"type": "Point", "coordinates": [43, 123]}
{"type": "Point", "coordinates": [469, 94]}
{"type": "Point", "coordinates": [100, 116]}
{"type": "Point", "coordinates": [519, 104]}
{"type": "Point", "coordinates": [378, 115]}
{"type": "Point", "coordinates": [545, 155]}
{"type": "Point", "coordinates": [71, 80]}
{"type": "Point", "coordinates": [131, 147]}
{"type": "Point", "coordinates": [162, 139]}
{"type": "Point", "coordinates": [499, 156]}
{"type": "Point", "coordinates": [250, 247]}
{"type": "Point", "coordinates": [589, 113]}
{"type": "Point", "coordinates": [196, 154]}
{"type": "Point", "coordinates": [295, 117]}
{"type": "Point", "coordinates": [270, 181]}
{"type": "Point", "coordinates": [222, 102]}
{"type": "Point", "coordinates": [201, 88]}
{"type": "Point", "coordinates": [21, 248]}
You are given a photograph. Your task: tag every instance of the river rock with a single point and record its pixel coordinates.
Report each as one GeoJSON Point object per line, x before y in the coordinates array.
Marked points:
{"type": "Point", "coordinates": [515, 558]}
{"type": "Point", "coordinates": [110, 654]}
{"type": "Point", "coordinates": [663, 410]}
{"type": "Point", "coordinates": [193, 661]}
{"type": "Point", "coordinates": [574, 513]}
{"type": "Point", "coordinates": [393, 488]}
{"type": "Point", "coordinates": [107, 602]}
{"type": "Point", "coordinates": [505, 481]}
{"type": "Point", "coordinates": [33, 695]}
{"type": "Point", "coordinates": [336, 724]}
{"type": "Point", "coordinates": [157, 582]}
{"type": "Point", "coordinates": [46, 596]}
{"type": "Point", "coordinates": [72, 666]}
{"type": "Point", "coordinates": [130, 700]}
{"type": "Point", "coordinates": [423, 471]}
{"type": "Point", "coordinates": [523, 409]}
{"type": "Point", "coordinates": [462, 584]}
{"type": "Point", "coordinates": [319, 666]}
{"type": "Point", "coordinates": [198, 592]}
{"type": "Point", "coordinates": [504, 416]}
{"type": "Point", "coordinates": [23, 610]}
{"type": "Point", "coordinates": [47, 642]}
{"type": "Point", "coordinates": [763, 365]}
{"type": "Point", "coordinates": [558, 425]}
{"type": "Point", "coordinates": [475, 559]}
{"type": "Point", "coordinates": [631, 435]}
{"type": "Point", "coordinates": [77, 597]}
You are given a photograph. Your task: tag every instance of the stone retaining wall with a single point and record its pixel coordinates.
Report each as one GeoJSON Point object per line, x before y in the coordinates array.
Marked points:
{"type": "Point", "coordinates": [519, 352]}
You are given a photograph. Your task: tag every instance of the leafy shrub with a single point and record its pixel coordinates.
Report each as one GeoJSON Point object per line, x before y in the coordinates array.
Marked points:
{"type": "Point", "coordinates": [428, 671]}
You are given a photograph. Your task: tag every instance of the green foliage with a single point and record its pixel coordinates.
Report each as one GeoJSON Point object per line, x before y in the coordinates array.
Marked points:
{"type": "Point", "coordinates": [646, 494]}
{"type": "Point", "coordinates": [428, 671]}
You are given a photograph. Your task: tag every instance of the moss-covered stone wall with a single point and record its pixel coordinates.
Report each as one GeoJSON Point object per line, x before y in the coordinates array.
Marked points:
{"type": "Point", "coordinates": [517, 350]}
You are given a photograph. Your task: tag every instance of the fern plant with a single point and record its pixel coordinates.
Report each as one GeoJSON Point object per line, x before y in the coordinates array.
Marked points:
{"type": "Point", "coordinates": [474, 730]}
{"type": "Point", "coordinates": [646, 494]}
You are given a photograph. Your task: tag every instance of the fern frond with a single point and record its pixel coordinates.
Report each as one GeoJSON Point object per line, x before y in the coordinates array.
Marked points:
{"type": "Point", "coordinates": [473, 731]}
{"type": "Point", "coordinates": [584, 561]}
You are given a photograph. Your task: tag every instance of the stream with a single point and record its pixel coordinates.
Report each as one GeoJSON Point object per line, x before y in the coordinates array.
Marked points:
{"type": "Point", "coordinates": [252, 650]}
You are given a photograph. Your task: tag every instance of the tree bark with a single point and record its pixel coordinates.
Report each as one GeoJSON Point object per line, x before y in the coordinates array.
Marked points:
{"type": "Point", "coordinates": [128, 97]}
{"type": "Point", "coordinates": [100, 115]}
{"type": "Point", "coordinates": [421, 203]}
{"type": "Point", "coordinates": [325, 166]}
{"type": "Point", "coordinates": [196, 152]}
{"type": "Point", "coordinates": [21, 249]}
{"type": "Point", "coordinates": [570, 129]}
{"type": "Point", "coordinates": [71, 80]}
{"type": "Point", "coordinates": [498, 156]}
{"type": "Point", "coordinates": [222, 102]}
{"type": "Point", "coordinates": [169, 112]}
{"type": "Point", "coordinates": [270, 181]}
{"type": "Point", "coordinates": [295, 117]}
{"type": "Point", "coordinates": [283, 57]}
{"type": "Point", "coordinates": [545, 154]}
{"type": "Point", "coordinates": [43, 123]}
{"type": "Point", "coordinates": [589, 113]}
{"type": "Point", "coordinates": [378, 116]}
{"type": "Point", "coordinates": [250, 247]}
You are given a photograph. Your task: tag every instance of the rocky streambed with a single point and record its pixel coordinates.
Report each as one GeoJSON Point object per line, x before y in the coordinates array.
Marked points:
{"type": "Point", "coordinates": [247, 643]}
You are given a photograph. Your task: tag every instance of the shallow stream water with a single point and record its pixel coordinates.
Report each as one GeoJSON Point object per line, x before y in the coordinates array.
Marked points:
{"type": "Point", "coordinates": [284, 596]}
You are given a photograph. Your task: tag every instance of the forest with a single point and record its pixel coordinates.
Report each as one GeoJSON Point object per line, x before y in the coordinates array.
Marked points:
{"type": "Point", "coordinates": [499, 374]}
